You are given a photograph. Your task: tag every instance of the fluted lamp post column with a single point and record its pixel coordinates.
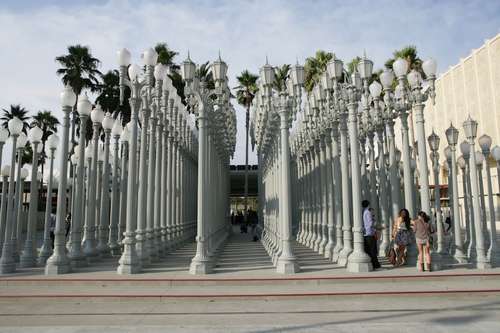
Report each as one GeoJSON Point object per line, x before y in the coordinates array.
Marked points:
{"type": "Point", "coordinates": [7, 263]}
{"type": "Point", "coordinates": [434, 141]}
{"type": "Point", "coordinates": [485, 144]}
{"type": "Point", "coordinates": [28, 257]}
{"type": "Point", "coordinates": [452, 137]}
{"type": "Point", "coordinates": [59, 263]}
{"type": "Point", "coordinates": [482, 262]}
{"type": "Point", "coordinates": [113, 244]}
{"type": "Point", "coordinates": [4, 135]}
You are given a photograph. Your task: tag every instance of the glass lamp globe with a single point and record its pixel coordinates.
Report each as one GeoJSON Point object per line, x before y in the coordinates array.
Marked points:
{"type": "Point", "coordinates": [124, 57]}
{"type": "Point", "coordinates": [188, 69]}
{"type": "Point", "coordinates": [5, 171]}
{"type": "Point", "coordinates": [386, 78]}
{"type": "Point", "coordinates": [117, 129]}
{"type": "Point", "coordinates": [35, 134]}
{"type": "Point", "coordinates": [39, 149]}
{"type": "Point", "coordinates": [97, 115]}
{"type": "Point", "coordinates": [479, 158]}
{"type": "Point", "coordinates": [267, 74]}
{"type": "Point", "coordinates": [356, 80]}
{"type": "Point", "coordinates": [447, 153]}
{"type": "Point", "coordinates": [461, 162]}
{"type": "Point", "coordinates": [89, 150]}
{"type": "Point", "coordinates": [4, 134]}
{"type": "Point", "coordinates": [433, 141]}
{"type": "Point", "coordinates": [68, 97]}
{"type": "Point", "coordinates": [335, 68]}
{"type": "Point", "coordinates": [452, 135]}
{"type": "Point", "coordinates": [365, 68]}
{"type": "Point", "coordinates": [297, 74]}
{"type": "Point", "coordinates": [74, 159]}
{"type": "Point", "coordinates": [400, 67]}
{"type": "Point", "coordinates": [495, 152]}
{"type": "Point", "coordinates": [84, 106]}
{"type": "Point", "coordinates": [15, 126]}
{"type": "Point", "coordinates": [160, 71]}
{"type": "Point", "coordinates": [414, 78]}
{"type": "Point", "coordinates": [150, 57]}
{"type": "Point", "coordinates": [219, 69]}
{"type": "Point", "coordinates": [375, 89]}
{"type": "Point", "coordinates": [430, 67]}
{"type": "Point", "coordinates": [134, 71]}
{"type": "Point", "coordinates": [470, 128]}
{"type": "Point", "coordinates": [52, 141]}
{"type": "Point", "coordinates": [22, 140]}
{"type": "Point", "coordinates": [125, 136]}
{"type": "Point", "coordinates": [326, 82]}
{"type": "Point", "coordinates": [465, 148]}
{"type": "Point", "coordinates": [485, 142]}
{"type": "Point", "coordinates": [108, 121]}
{"type": "Point", "coordinates": [100, 153]}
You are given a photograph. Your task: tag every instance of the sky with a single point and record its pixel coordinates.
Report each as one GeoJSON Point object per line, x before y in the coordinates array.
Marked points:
{"type": "Point", "coordinates": [35, 32]}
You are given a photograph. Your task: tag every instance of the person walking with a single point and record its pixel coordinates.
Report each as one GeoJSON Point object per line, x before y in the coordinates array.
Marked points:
{"type": "Point", "coordinates": [370, 240]}
{"type": "Point", "coordinates": [402, 235]}
{"type": "Point", "coordinates": [423, 231]}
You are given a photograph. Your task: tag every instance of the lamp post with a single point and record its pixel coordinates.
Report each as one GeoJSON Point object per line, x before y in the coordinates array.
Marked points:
{"type": "Point", "coordinates": [113, 244]}
{"type": "Point", "coordinates": [469, 211]}
{"type": "Point", "coordinates": [89, 245]}
{"type": "Point", "coordinates": [46, 250]}
{"type": "Point", "coordinates": [76, 255]}
{"type": "Point", "coordinates": [22, 140]}
{"type": "Point", "coordinates": [3, 210]}
{"type": "Point", "coordinates": [125, 136]}
{"type": "Point", "coordinates": [434, 141]}
{"type": "Point", "coordinates": [104, 218]}
{"type": "Point", "coordinates": [28, 256]}
{"type": "Point", "coordinates": [58, 263]}
{"type": "Point", "coordinates": [452, 137]}
{"type": "Point", "coordinates": [480, 162]}
{"type": "Point", "coordinates": [485, 145]}
{"type": "Point", "coordinates": [482, 262]}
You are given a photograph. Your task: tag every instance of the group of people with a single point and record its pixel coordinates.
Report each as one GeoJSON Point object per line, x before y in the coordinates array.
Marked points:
{"type": "Point", "coordinates": [405, 232]}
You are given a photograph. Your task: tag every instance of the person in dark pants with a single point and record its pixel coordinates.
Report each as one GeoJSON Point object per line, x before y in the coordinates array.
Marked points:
{"type": "Point", "coordinates": [369, 234]}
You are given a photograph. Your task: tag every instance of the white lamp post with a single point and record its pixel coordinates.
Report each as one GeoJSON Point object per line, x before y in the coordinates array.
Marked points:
{"type": "Point", "coordinates": [58, 263]}
{"type": "Point", "coordinates": [434, 141]}
{"type": "Point", "coordinates": [114, 227]}
{"type": "Point", "coordinates": [28, 257]}
{"type": "Point", "coordinates": [22, 140]}
{"type": "Point", "coordinates": [470, 128]}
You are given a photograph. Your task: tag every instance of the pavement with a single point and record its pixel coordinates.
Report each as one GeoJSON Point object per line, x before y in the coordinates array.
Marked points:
{"type": "Point", "coordinates": [245, 294]}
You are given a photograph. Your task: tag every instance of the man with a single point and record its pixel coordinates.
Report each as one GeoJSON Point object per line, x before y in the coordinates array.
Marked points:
{"type": "Point", "coordinates": [369, 233]}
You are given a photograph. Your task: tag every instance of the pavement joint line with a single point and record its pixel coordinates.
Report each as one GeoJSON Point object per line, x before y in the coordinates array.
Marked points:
{"type": "Point", "coordinates": [279, 279]}
{"type": "Point", "coordinates": [361, 293]}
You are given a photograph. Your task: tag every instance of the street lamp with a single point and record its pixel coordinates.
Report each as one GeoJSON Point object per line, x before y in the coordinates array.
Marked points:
{"type": "Point", "coordinates": [482, 262]}
{"type": "Point", "coordinates": [103, 247]}
{"type": "Point", "coordinates": [58, 263]}
{"type": "Point", "coordinates": [46, 250]}
{"type": "Point", "coordinates": [452, 137]}
{"type": "Point", "coordinates": [434, 141]}
{"type": "Point", "coordinates": [28, 257]}
{"type": "Point", "coordinates": [114, 228]}
{"type": "Point", "coordinates": [22, 140]}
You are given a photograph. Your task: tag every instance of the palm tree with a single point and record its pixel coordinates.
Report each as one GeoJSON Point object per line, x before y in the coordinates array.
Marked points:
{"type": "Point", "coordinates": [245, 93]}
{"type": "Point", "coordinates": [352, 66]}
{"type": "Point", "coordinates": [48, 124]}
{"type": "Point", "coordinates": [166, 56]}
{"type": "Point", "coordinates": [280, 76]}
{"type": "Point", "coordinates": [204, 73]}
{"type": "Point", "coordinates": [314, 67]}
{"type": "Point", "coordinates": [79, 71]}
{"type": "Point", "coordinates": [16, 110]}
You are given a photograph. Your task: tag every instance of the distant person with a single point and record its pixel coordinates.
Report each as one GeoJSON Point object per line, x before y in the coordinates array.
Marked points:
{"type": "Point", "coordinates": [68, 224]}
{"type": "Point", "coordinates": [52, 228]}
{"type": "Point", "coordinates": [447, 221]}
{"type": "Point", "coordinates": [369, 234]}
{"type": "Point", "coordinates": [402, 235]}
{"type": "Point", "coordinates": [423, 231]}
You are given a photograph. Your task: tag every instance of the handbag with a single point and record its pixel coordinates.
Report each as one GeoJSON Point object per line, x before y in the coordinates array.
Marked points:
{"type": "Point", "coordinates": [391, 256]}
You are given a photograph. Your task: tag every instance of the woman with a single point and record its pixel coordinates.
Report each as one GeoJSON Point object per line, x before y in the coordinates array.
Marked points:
{"type": "Point", "coordinates": [402, 235]}
{"type": "Point", "coordinates": [423, 231]}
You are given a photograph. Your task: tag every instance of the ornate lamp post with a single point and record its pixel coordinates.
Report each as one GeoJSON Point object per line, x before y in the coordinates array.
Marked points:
{"type": "Point", "coordinates": [104, 227]}
{"type": "Point", "coordinates": [452, 137]}
{"type": "Point", "coordinates": [480, 162]}
{"type": "Point", "coordinates": [470, 128]}
{"type": "Point", "coordinates": [485, 144]}
{"type": "Point", "coordinates": [123, 184]}
{"type": "Point", "coordinates": [22, 140]}
{"type": "Point", "coordinates": [7, 263]}
{"type": "Point", "coordinates": [46, 250]}
{"type": "Point", "coordinates": [5, 177]}
{"type": "Point", "coordinates": [28, 256]}
{"type": "Point", "coordinates": [58, 263]}
{"type": "Point", "coordinates": [434, 141]}
{"type": "Point", "coordinates": [113, 243]}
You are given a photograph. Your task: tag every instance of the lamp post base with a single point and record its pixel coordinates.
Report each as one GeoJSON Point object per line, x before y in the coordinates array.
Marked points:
{"type": "Point", "coordinates": [287, 265]}
{"type": "Point", "coordinates": [57, 265]}
{"type": "Point", "coordinates": [343, 256]}
{"type": "Point", "coordinates": [359, 262]}
{"type": "Point", "coordinates": [200, 267]}
{"type": "Point", "coordinates": [483, 265]}
{"type": "Point", "coordinates": [460, 257]}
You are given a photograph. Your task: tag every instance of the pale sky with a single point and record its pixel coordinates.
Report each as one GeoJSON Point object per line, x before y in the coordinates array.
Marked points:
{"type": "Point", "coordinates": [35, 32]}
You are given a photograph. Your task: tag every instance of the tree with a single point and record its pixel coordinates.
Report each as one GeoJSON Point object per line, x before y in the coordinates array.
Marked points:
{"type": "Point", "coordinates": [204, 73]}
{"type": "Point", "coordinates": [79, 71]}
{"type": "Point", "coordinates": [245, 93]}
{"type": "Point", "coordinates": [314, 67]}
{"type": "Point", "coordinates": [280, 76]}
{"type": "Point", "coordinates": [352, 65]}
{"type": "Point", "coordinates": [48, 124]}
{"type": "Point", "coordinates": [15, 110]}
{"type": "Point", "coordinates": [166, 56]}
